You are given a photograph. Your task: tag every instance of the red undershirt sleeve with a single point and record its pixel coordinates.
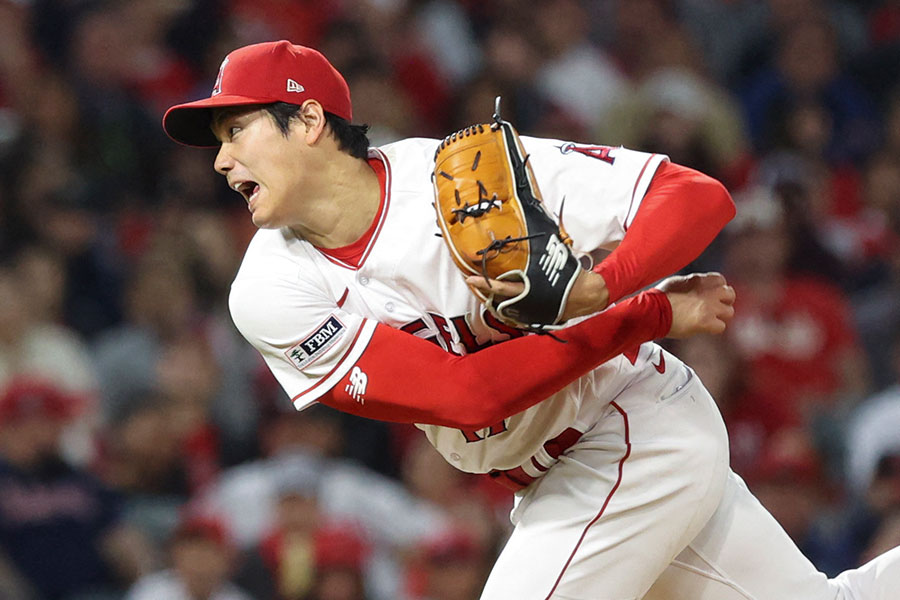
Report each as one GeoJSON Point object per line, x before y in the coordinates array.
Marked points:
{"type": "Point", "coordinates": [681, 213]}
{"type": "Point", "coordinates": [414, 381]}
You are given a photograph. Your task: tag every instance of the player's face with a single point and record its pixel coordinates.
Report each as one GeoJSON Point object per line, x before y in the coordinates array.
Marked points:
{"type": "Point", "coordinates": [266, 167]}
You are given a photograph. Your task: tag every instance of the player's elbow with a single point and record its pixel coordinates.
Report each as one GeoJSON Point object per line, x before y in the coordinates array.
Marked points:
{"type": "Point", "coordinates": [718, 202]}
{"type": "Point", "coordinates": [478, 414]}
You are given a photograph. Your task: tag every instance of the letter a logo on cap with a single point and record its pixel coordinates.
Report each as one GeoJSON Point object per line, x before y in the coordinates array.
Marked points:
{"type": "Point", "coordinates": [293, 86]}
{"type": "Point", "coordinates": [217, 88]}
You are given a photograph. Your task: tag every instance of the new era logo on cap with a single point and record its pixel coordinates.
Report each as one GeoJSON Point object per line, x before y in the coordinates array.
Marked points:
{"type": "Point", "coordinates": [293, 86]}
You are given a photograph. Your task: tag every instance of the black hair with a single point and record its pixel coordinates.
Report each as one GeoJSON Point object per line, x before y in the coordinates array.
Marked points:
{"type": "Point", "coordinates": [352, 139]}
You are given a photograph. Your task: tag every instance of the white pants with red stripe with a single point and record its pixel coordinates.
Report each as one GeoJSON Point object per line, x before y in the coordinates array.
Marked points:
{"type": "Point", "coordinates": [644, 506]}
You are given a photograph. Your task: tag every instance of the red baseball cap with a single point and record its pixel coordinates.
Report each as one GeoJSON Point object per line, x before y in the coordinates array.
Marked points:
{"type": "Point", "coordinates": [24, 397]}
{"type": "Point", "coordinates": [261, 74]}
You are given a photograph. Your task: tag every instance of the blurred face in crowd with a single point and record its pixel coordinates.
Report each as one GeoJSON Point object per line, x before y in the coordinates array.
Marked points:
{"type": "Point", "coordinates": [759, 253]}
{"type": "Point", "coordinates": [456, 579]}
{"type": "Point", "coordinates": [32, 441]}
{"type": "Point", "coordinates": [808, 55]}
{"type": "Point", "coordinates": [297, 513]}
{"type": "Point", "coordinates": [201, 563]}
{"type": "Point", "coordinates": [339, 583]}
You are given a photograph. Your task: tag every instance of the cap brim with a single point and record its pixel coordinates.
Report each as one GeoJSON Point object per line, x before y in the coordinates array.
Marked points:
{"type": "Point", "coordinates": [189, 123]}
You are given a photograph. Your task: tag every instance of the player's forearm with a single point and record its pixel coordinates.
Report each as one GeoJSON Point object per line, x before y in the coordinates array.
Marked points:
{"type": "Point", "coordinates": [681, 213]}
{"type": "Point", "coordinates": [411, 380]}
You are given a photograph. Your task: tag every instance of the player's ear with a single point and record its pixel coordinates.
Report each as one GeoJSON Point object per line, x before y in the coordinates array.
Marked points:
{"type": "Point", "coordinates": [312, 117]}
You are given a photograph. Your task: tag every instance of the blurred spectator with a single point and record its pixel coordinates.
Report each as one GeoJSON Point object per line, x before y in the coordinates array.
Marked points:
{"type": "Point", "coordinates": [576, 75]}
{"type": "Point", "coordinates": [873, 467]}
{"type": "Point", "coordinates": [33, 343]}
{"type": "Point", "coordinates": [740, 35]}
{"type": "Point", "coordinates": [885, 538]}
{"type": "Point", "coordinates": [299, 449]}
{"type": "Point", "coordinates": [640, 28]}
{"type": "Point", "coordinates": [753, 419]}
{"type": "Point", "coordinates": [792, 483]}
{"type": "Point", "coordinates": [146, 459]}
{"type": "Point", "coordinates": [60, 528]}
{"type": "Point", "coordinates": [511, 64]}
{"type": "Point", "coordinates": [30, 343]}
{"type": "Point", "coordinates": [160, 307]}
{"type": "Point", "coordinates": [341, 555]}
{"type": "Point", "coordinates": [648, 38]}
{"type": "Point", "coordinates": [451, 39]}
{"type": "Point", "coordinates": [283, 564]}
{"type": "Point", "coordinates": [388, 111]}
{"type": "Point", "coordinates": [872, 431]}
{"type": "Point", "coordinates": [676, 112]}
{"type": "Point", "coordinates": [305, 556]}
{"type": "Point", "coordinates": [878, 318]}
{"type": "Point", "coordinates": [450, 566]}
{"type": "Point", "coordinates": [807, 72]}
{"type": "Point", "coordinates": [431, 478]}
{"type": "Point", "coordinates": [202, 560]}
{"type": "Point", "coordinates": [103, 56]}
{"type": "Point", "coordinates": [794, 332]}
{"type": "Point", "coordinates": [300, 21]}
{"type": "Point", "coordinates": [56, 208]}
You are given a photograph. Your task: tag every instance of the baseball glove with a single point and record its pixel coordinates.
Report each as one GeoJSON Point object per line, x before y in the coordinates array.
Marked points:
{"type": "Point", "coordinates": [491, 217]}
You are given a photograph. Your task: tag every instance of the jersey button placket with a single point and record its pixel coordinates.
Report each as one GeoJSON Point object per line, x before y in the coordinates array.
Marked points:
{"type": "Point", "coordinates": [363, 280]}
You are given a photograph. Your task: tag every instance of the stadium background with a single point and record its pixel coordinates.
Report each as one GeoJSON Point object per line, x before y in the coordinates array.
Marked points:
{"type": "Point", "coordinates": [176, 447]}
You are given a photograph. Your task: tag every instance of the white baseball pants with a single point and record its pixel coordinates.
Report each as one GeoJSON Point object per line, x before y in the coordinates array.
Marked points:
{"type": "Point", "coordinates": [644, 506]}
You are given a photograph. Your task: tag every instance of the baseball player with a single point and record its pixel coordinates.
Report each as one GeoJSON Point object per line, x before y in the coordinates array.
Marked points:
{"type": "Point", "coordinates": [617, 453]}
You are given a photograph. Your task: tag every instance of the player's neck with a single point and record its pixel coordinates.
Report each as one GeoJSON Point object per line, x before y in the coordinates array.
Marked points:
{"type": "Point", "coordinates": [347, 207]}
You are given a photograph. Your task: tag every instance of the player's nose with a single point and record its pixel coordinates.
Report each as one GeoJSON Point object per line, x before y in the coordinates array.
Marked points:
{"type": "Point", "coordinates": [224, 162]}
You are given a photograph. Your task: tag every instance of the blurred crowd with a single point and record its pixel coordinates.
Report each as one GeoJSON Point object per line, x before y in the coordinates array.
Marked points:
{"type": "Point", "coordinates": [147, 453]}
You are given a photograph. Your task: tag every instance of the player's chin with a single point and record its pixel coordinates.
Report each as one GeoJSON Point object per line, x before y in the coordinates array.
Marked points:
{"type": "Point", "coordinates": [264, 221]}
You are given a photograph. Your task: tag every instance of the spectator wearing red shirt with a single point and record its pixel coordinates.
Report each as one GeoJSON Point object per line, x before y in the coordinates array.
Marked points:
{"type": "Point", "coordinates": [794, 332]}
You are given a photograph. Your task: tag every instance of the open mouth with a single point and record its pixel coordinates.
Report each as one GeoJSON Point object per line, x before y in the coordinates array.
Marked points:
{"type": "Point", "coordinates": [247, 189]}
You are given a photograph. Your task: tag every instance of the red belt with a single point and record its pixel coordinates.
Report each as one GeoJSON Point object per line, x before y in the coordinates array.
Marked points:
{"type": "Point", "coordinates": [517, 479]}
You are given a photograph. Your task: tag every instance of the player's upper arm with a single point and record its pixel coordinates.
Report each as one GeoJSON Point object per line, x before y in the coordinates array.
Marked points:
{"type": "Point", "coordinates": [306, 340]}
{"type": "Point", "coordinates": [598, 188]}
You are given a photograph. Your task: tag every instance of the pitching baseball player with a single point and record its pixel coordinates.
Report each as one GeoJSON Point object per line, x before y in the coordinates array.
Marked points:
{"type": "Point", "coordinates": [617, 453]}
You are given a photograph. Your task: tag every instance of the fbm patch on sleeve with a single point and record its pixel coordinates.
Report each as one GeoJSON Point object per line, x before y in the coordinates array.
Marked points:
{"type": "Point", "coordinates": [305, 352]}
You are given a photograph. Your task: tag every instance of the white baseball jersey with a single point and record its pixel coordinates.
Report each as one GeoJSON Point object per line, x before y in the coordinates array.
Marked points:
{"type": "Point", "coordinates": [311, 316]}
{"type": "Point", "coordinates": [642, 504]}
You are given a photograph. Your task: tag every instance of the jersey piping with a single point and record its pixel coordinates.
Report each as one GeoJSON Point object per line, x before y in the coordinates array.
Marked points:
{"type": "Point", "coordinates": [357, 347]}
{"type": "Point", "coordinates": [606, 502]}
{"type": "Point", "coordinates": [629, 217]}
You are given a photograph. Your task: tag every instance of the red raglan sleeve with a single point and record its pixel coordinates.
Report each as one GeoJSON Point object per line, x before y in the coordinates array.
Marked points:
{"type": "Point", "coordinates": [402, 378]}
{"type": "Point", "coordinates": [681, 213]}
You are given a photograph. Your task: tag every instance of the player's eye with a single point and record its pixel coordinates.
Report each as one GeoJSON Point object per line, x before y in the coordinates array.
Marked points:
{"type": "Point", "coordinates": [232, 131]}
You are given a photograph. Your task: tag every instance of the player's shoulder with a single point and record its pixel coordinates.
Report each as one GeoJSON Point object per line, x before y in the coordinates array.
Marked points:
{"type": "Point", "coordinates": [409, 161]}
{"type": "Point", "coordinates": [273, 259]}
{"type": "Point", "coordinates": [411, 148]}
{"type": "Point", "coordinates": [568, 151]}
{"type": "Point", "coordinates": [269, 252]}
{"type": "Point", "coordinates": [277, 280]}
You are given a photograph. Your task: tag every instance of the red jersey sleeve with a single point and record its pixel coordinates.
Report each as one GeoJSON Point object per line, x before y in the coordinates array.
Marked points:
{"type": "Point", "coordinates": [681, 213]}
{"type": "Point", "coordinates": [402, 378]}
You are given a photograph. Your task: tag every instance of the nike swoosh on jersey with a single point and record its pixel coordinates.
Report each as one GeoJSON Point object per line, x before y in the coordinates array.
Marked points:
{"type": "Point", "coordinates": [661, 366]}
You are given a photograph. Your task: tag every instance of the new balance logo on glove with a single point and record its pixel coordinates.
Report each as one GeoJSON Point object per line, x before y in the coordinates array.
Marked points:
{"type": "Point", "coordinates": [553, 259]}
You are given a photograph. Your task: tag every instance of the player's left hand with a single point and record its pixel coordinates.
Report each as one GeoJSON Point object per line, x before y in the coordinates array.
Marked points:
{"type": "Point", "coordinates": [588, 296]}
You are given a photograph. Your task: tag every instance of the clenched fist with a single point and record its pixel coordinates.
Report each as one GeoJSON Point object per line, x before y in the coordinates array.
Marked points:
{"type": "Point", "coordinates": [701, 303]}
